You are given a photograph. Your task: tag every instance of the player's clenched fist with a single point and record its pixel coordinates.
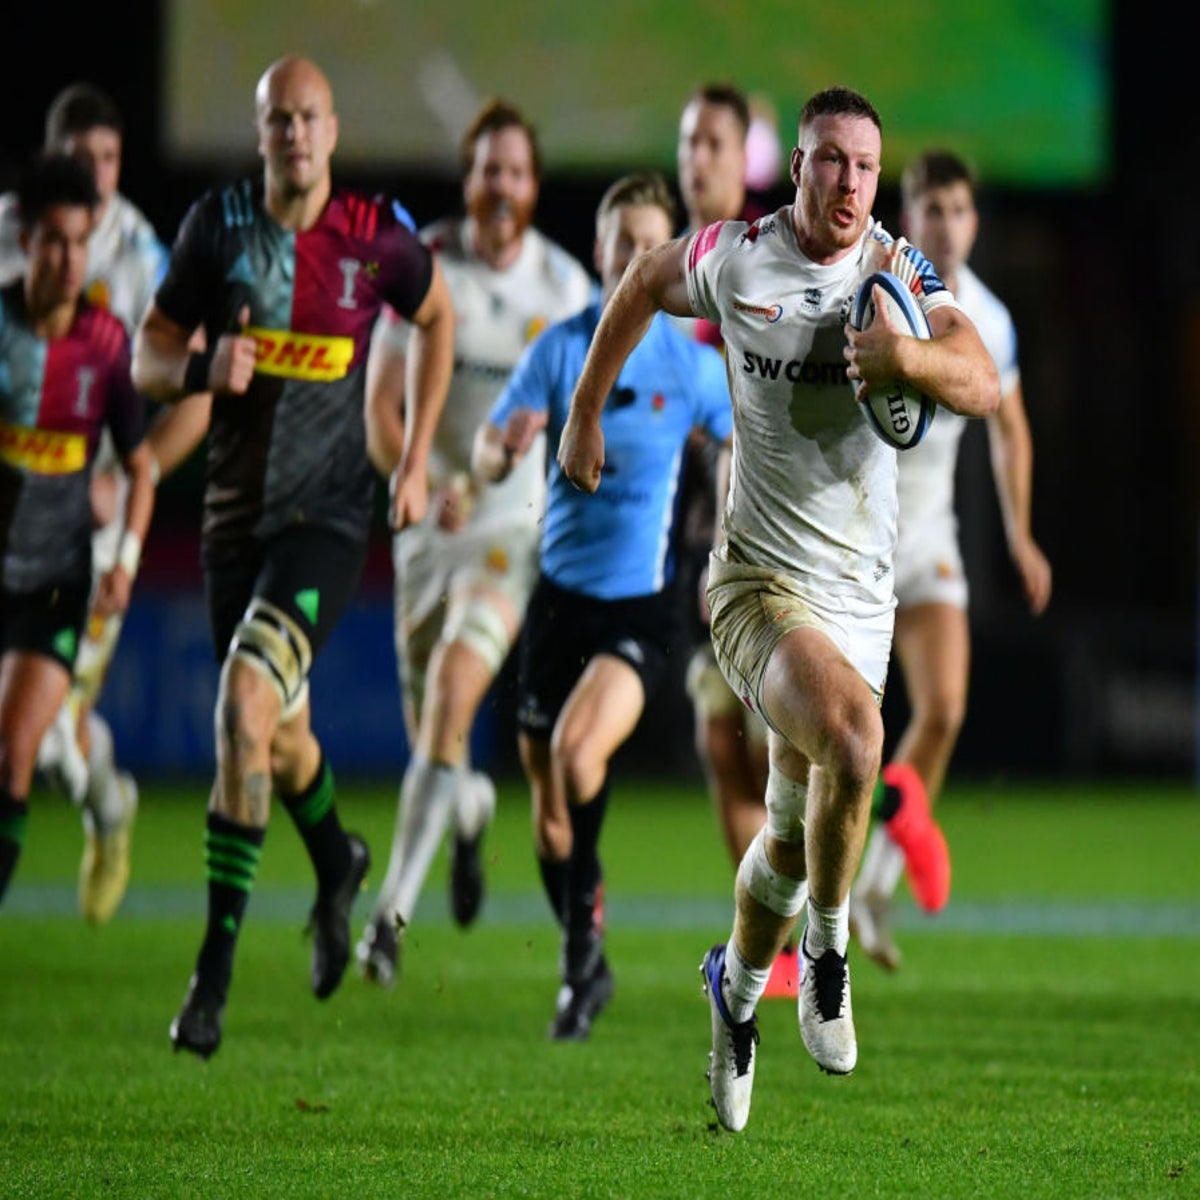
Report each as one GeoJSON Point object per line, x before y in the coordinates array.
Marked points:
{"type": "Point", "coordinates": [581, 452]}
{"type": "Point", "coordinates": [520, 431]}
{"type": "Point", "coordinates": [233, 359]}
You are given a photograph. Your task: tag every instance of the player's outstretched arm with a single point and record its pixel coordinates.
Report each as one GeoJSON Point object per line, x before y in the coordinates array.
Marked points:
{"type": "Point", "coordinates": [429, 367]}
{"type": "Point", "coordinates": [655, 281]}
{"type": "Point", "coordinates": [1011, 447]}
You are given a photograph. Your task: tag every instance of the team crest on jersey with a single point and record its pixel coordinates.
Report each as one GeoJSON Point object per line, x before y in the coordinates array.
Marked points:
{"type": "Point", "coordinates": [496, 560]}
{"type": "Point", "coordinates": [301, 355]}
{"type": "Point", "coordinates": [98, 294]}
{"type": "Point", "coordinates": [42, 451]}
{"type": "Point", "coordinates": [811, 299]}
{"type": "Point", "coordinates": [349, 268]}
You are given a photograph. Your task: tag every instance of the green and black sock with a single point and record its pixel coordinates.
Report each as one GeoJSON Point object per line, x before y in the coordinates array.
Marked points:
{"type": "Point", "coordinates": [232, 853]}
{"type": "Point", "coordinates": [315, 815]}
{"type": "Point", "coordinates": [14, 815]}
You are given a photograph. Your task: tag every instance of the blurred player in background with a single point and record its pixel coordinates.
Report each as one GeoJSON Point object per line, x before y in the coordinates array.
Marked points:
{"type": "Point", "coordinates": [126, 260]}
{"type": "Point", "coordinates": [800, 588]}
{"type": "Point", "coordinates": [287, 278]}
{"type": "Point", "coordinates": [731, 741]}
{"type": "Point", "coordinates": [932, 638]}
{"type": "Point", "coordinates": [64, 377]}
{"type": "Point", "coordinates": [602, 618]}
{"type": "Point", "coordinates": [464, 574]}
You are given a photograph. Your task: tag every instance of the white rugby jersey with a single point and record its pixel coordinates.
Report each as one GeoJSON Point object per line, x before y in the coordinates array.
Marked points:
{"type": "Point", "coordinates": [812, 491]}
{"type": "Point", "coordinates": [496, 315]}
{"type": "Point", "coordinates": [926, 482]}
{"type": "Point", "coordinates": [126, 260]}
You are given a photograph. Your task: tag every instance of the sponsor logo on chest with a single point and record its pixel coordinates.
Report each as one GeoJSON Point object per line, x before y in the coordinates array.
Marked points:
{"type": "Point", "coordinates": [42, 451]}
{"type": "Point", "coordinates": [309, 356]}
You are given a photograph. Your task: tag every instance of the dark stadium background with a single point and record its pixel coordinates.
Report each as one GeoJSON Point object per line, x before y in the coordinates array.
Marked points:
{"type": "Point", "coordinates": [1102, 284]}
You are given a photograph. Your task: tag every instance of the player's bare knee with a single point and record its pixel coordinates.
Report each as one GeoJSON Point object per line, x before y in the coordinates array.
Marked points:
{"type": "Point", "coordinates": [854, 749]}
{"type": "Point", "coordinates": [580, 767]}
{"type": "Point", "coordinates": [941, 719]}
{"type": "Point", "coordinates": [551, 833]}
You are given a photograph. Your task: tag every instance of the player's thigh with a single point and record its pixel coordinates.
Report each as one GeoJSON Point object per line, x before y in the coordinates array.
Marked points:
{"type": "Point", "coordinates": [311, 575]}
{"type": "Point", "coordinates": [489, 589]}
{"type": "Point", "coordinates": [933, 647]}
{"type": "Point", "coordinates": [819, 702]}
{"type": "Point", "coordinates": [602, 710]}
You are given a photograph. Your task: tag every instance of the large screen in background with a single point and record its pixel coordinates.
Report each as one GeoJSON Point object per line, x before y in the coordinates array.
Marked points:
{"type": "Point", "coordinates": [1020, 87]}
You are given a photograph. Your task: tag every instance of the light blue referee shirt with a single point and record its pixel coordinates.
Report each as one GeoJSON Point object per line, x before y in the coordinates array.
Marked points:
{"type": "Point", "coordinates": [618, 542]}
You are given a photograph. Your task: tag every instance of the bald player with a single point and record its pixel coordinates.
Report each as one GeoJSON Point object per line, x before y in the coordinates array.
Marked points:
{"type": "Point", "coordinates": [287, 276]}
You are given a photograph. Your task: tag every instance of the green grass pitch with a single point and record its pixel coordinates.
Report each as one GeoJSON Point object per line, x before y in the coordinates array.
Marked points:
{"type": "Point", "coordinates": [1041, 1039]}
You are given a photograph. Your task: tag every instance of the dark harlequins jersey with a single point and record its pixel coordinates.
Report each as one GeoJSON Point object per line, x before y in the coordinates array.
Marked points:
{"type": "Point", "coordinates": [55, 397]}
{"type": "Point", "coordinates": [292, 450]}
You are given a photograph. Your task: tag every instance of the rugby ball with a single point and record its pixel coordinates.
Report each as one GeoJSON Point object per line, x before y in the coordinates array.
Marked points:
{"type": "Point", "coordinates": [899, 414]}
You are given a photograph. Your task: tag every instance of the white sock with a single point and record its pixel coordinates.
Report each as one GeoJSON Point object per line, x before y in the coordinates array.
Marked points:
{"type": "Point", "coordinates": [882, 865]}
{"type": "Point", "coordinates": [827, 928]}
{"type": "Point", "coordinates": [103, 798]}
{"type": "Point", "coordinates": [59, 758]}
{"type": "Point", "coordinates": [744, 984]}
{"type": "Point", "coordinates": [426, 803]}
{"type": "Point", "coordinates": [474, 804]}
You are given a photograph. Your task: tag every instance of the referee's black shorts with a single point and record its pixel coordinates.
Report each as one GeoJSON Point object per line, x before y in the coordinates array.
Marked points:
{"type": "Point", "coordinates": [564, 631]}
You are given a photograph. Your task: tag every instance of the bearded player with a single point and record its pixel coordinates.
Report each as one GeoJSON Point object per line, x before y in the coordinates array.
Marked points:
{"type": "Point", "coordinates": [465, 573]}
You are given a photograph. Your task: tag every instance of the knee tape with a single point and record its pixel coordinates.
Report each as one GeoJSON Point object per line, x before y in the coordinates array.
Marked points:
{"type": "Point", "coordinates": [268, 640]}
{"type": "Point", "coordinates": [779, 893]}
{"type": "Point", "coordinates": [477, 624]}
{"type": "Point", "coordinates": [786, 801]}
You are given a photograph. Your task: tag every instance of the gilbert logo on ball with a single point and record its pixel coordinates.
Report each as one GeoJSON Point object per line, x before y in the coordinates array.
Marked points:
{"type": "Point", "coordinates": [898, 413]}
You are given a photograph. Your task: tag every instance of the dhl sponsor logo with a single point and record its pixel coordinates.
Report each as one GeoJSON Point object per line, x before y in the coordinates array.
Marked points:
{"type": "Point", "coordinates": [42, 451]}
{"type": "Point", "coordinates": [301, 355]}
